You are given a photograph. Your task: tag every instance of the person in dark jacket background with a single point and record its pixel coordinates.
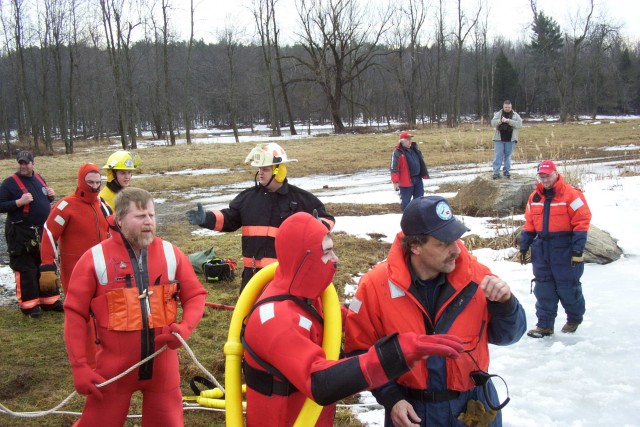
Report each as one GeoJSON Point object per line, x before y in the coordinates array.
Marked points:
{"type": "Point", "coordinates": [408, 169]}
{"type": "Point", "coordinates": [261, 209]}
{"type": "Point", "coordinates": [26, 198]}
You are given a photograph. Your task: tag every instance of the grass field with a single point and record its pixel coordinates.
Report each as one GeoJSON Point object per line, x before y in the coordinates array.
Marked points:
{"type": "Point", "coordinates": [34, 369]}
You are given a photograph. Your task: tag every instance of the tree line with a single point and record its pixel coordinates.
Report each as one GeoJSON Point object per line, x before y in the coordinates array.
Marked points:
{"type": "Point", "coordinates": [95, 68]}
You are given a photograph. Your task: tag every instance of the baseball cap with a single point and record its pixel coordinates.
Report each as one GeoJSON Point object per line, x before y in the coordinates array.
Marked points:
{"type": "Point", "coordinates": [25, 156]}
{"type": "Point", "coordinates": [546, 167]}
{"type": "Point", "coordinates": [405, 134]}
{"type": "Point", "coordinates": [432, 215]}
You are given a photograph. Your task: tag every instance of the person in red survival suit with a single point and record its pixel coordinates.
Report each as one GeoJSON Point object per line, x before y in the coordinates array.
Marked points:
{"type": "Point", "coordinates": [284, 361]}
{"type": "Point", "coordinates": [131, 284]}
{"type": "Point", "coordinates": [76, 223]}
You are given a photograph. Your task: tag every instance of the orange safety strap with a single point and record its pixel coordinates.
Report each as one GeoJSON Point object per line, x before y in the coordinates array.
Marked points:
{"type": "Point", "coordinates": [257, 263]}
{"type": "Point", "coordinates": [259, 231]}
{"type": "Point", "coordinates": [25, 208]}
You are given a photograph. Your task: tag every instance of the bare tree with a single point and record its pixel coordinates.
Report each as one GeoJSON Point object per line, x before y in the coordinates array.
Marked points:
{"type": "Point", "coordinates": [339, 47]}
{"type": "Point", "coordinates": [118, 37]}
{"type": "Point", "coordinates": [187, 78]}
{"type": "Point", "coordinates": [405, 40]}
{"type": "Point", "coordinates": [23, 94]}
{"type": "Point", "coordinates": [264, 14]}
{"type": "Point", "coordinates": [275, 31]}
{"type": "Point", "coordinates": [464, 26]}
{"type": "Point", "coordinates": [42, 87]}
{"type": "Point", "coordinates": [58, 14]}
{"type": "Point", "coordinates": [228, 38]}
{"type": "Point", "coordinates": [165, 68]}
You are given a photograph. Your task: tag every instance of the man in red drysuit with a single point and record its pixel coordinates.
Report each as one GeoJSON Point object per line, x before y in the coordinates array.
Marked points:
{"type": "Point", "coordinates": [76, 223]}
{"type": "Point", "coordinates": [131, 284]}
{"type": "Point", "coordinates": [284, 360]}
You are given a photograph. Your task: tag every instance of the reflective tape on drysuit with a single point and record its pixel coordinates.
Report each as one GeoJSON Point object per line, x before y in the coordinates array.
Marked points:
{"type": "Point", "coordinates": [124, 310]}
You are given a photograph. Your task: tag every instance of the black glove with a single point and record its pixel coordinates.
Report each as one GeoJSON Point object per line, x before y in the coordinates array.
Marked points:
{"type": "Point", "coordinates": [522, 257]}
{"type": "Point", "coordinates": [577, 258]}
{"type": "Point", "coordinates": [197, 216]}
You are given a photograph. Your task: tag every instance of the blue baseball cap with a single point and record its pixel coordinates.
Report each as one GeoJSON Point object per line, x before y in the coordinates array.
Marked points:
{"type": "Point", "coordinates": [432, 215]}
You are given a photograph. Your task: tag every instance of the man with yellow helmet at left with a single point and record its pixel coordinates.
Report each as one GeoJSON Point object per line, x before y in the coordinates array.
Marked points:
{"type": "Point", "coordinates": [260, 209]}
{"type": "Point", "coordinates": [120, 167]}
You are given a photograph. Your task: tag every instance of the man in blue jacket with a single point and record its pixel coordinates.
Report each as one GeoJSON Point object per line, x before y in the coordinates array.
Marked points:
{"type": "Point", "coordinates": [26, 199]}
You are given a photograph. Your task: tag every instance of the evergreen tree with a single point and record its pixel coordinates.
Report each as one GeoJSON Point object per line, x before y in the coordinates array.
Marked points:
{"type": "Point", "coordinates": [505, 81]}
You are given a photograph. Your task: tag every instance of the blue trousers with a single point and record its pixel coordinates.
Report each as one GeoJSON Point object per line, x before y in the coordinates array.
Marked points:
{"type": "Point", "coordinates": [445, 414]}
{"type": "Point", "coordinates": [556, 281]}
{"type": "Point", "coordinates": [502, 151]}
{"type": "Point", "coordinates": [407, 193]}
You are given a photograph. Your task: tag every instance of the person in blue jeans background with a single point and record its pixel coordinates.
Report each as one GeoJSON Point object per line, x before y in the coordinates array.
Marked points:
{"type": "Point", "coordinates": [506, 123]}
{"type": "Point", "coordinates": [408, 169]}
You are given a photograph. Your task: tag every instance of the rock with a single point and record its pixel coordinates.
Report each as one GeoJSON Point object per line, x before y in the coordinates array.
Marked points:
{"type": "Point", "coordinates": [601, 248]}
{"type": "Point", "coordinates": [485, 196]}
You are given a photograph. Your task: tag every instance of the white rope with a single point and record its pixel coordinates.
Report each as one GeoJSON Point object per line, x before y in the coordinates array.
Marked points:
{"type": "Point", "coordinates": [35, 414]}
{"type": "Point", "coordinates": [54, 410]}
{"type": "Point", "coordinates": [198, 364]}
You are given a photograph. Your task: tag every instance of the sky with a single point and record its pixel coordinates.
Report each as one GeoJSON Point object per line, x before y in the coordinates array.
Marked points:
{"type": "Point", "coordinates": [590, 378]}
{"type": "Point", "coordinates": [510, 19]}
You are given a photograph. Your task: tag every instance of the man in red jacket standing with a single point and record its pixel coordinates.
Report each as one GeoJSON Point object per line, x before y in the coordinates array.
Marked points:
{"type": "Point", "coordinates": [557, 220]}
{"type": "Point", "coordinates": [131, 283]}
{"type": "Point", "coordinates": [408, 169]}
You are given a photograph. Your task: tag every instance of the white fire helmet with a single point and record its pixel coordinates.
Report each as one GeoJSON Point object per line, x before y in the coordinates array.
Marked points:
{"type": "Point", "coordinates": [267, 155]}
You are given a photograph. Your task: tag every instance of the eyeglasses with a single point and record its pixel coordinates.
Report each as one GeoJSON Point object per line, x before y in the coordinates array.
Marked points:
{"type": "Point", "coordinates": [482, 378]}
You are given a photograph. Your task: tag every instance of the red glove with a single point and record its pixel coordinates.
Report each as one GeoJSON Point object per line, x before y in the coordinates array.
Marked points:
{"type": "Point", "coordinates": [418, 347]}
{"type": "Point", "coordinates": [167, 337]}
{"type": "Point", "coordinates": [85, 380]}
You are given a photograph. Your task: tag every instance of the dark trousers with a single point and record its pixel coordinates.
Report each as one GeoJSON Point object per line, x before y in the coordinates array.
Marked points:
{"type": "Point", "coordinates": [26, 268]}
{"type": "Point", "coordinates": [408, 193]}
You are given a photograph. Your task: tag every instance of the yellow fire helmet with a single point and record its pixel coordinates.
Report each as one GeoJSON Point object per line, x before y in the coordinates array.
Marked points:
{"type": "Point", "coordinates": [122, 160]}
{"type": "Point", "coordinates": [270, 154]}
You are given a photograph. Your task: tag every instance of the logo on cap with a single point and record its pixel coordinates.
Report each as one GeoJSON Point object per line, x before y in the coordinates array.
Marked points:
{"type": "Point", "coordinates": [443, 211]}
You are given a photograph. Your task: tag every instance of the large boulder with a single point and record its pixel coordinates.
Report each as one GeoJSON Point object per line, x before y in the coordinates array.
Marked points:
{"type": "Point", "coordinates": [601, 248]}
{"type": "Point", "coordinates": [485, 196]}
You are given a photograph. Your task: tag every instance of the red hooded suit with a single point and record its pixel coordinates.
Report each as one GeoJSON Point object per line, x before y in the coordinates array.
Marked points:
{"type": "Point", "coordinates": [284, 360]}
{"type": "Point", "coordinates": [76, 223]}
{"type": "Point", "coordinates": [134, 301]}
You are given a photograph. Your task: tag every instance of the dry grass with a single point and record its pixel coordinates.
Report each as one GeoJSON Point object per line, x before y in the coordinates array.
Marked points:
{"type": "Point", "coordinates": [35, 373]}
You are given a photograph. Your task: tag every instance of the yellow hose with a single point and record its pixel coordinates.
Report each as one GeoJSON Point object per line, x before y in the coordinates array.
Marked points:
{"type": "Point", "coordinates": [233, 350]}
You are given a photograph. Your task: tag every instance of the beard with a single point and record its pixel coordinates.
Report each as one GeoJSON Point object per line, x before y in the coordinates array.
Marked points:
{"type": "Point", "coordinates": [139, 238]}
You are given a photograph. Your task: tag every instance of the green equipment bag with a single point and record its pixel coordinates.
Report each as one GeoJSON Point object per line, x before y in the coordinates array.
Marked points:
{"type": "Point", "coordinates": [199, 259]}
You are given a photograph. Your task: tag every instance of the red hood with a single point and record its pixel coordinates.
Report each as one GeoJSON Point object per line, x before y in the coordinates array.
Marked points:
{"type": "Point", "coordinates": [83, 190]}
{"type": "Point", "coordinates": [301, 271]}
